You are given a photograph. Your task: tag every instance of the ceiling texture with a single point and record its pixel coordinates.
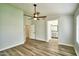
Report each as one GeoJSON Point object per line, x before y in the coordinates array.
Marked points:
{"type": "Point", "coordinates": [48, 8]}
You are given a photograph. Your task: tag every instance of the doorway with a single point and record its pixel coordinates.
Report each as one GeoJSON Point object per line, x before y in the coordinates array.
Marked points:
{"type": "Point", "coordinates": [52, 29]}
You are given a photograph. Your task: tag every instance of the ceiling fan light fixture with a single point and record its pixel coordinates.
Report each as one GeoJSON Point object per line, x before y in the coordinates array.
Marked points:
{"type": "Point", "coordinates": [35, 18]}
{"type": "Point", "coordinates": [35, 15]}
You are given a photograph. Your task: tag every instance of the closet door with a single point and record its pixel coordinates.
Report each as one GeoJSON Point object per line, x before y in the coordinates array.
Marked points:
{"type": "Point", "coordinates": [40, 30]}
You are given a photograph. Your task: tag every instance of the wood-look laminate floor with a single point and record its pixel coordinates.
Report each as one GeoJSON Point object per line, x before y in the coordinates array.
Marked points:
{"type": "Point", "coordinates": [39, 48]}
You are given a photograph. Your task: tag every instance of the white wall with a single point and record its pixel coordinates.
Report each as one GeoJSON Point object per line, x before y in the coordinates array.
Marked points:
{"type": "Point", "coordinates": [66, 30]}
{"type": "Point", "coordinates": [11, 26]}
{"type": "Point", "coordinates": [41, 30]}
{"type": "Point", "coordinates": [76, 44]}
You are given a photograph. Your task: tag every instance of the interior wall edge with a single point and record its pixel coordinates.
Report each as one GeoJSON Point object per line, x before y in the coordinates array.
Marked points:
{"type": "Point", "coordinates": [11, 46]}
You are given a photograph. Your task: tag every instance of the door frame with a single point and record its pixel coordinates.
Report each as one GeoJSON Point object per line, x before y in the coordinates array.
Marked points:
{"type": "Point", "coordinates": [48, 30]}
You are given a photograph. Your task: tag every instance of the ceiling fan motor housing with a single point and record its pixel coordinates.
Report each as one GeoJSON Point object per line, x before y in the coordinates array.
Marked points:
{"type": "Point", "coordinates": [35, 5]}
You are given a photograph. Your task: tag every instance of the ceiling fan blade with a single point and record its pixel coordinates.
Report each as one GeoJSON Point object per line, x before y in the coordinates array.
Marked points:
{"type": "Point", "coordinates": [30, 18]}
{"type": "Point", "coordinates": [41, 17]}
{"type": "Point", "coordinates": [28, 15]}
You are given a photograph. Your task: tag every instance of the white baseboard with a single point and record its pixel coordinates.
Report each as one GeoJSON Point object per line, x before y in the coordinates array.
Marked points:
{"type": "Point", "coordinates": [65, 44]}
{"type": "Point", "coordinates": [47, 40]}
{"type": "Point", "coordinates": [11, 46]}
{"type": "Point", "coordinates": [76, 47]}
{"type": "Point", "coordinates": [76, 52]}
{"type": "Point", "coordinates": [40, 40]}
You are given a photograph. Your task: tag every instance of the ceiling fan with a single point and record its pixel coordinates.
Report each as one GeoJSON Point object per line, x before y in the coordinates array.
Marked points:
{"type": "Point", "coordinates": [35, 14]}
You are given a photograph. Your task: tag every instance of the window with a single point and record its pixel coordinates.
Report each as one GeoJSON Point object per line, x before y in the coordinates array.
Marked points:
{"type": "Point", "coordinates": [54, 27]}
{"type": "Point", "coordinates": [77, 29]}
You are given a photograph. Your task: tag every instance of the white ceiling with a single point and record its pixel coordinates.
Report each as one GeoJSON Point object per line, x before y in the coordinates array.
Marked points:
{"type": "Point", "coordinates": [48, 8]}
